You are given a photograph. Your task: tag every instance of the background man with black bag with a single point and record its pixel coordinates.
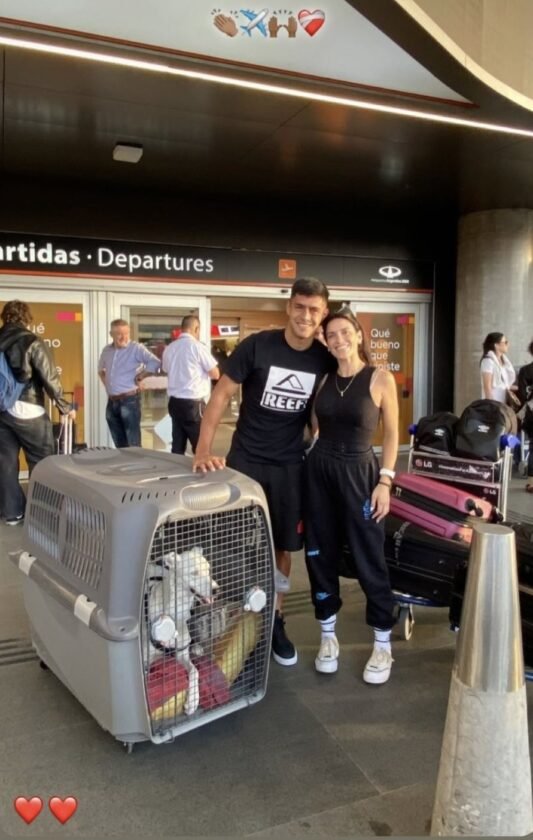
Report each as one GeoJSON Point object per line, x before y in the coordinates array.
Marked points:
{"type": "Point", "coordinates": [525, 415]}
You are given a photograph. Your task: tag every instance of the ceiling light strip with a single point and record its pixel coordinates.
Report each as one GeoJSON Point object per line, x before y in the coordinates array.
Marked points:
{"type": "Point", "coordinates": [263, 87]}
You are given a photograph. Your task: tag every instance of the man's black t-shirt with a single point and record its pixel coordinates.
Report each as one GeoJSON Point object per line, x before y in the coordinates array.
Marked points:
{"type": "Point", "coordinates": [278, 386]}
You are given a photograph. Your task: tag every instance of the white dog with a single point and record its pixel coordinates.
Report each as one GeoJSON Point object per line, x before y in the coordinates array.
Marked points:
{"type": "Point", "coordinates": [177, 581]}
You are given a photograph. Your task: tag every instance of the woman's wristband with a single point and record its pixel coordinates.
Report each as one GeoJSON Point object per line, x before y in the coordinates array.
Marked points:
{"type": "Point", "coordinates": [384, 483]}
{"type": "Point", "coordinates": [388, 473]}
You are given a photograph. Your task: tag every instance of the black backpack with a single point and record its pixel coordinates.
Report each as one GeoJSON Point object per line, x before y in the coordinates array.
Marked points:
{"type": "Point", "coordinates": [436, 432]}
{"type": "Point", "coordinates": [480, 427]}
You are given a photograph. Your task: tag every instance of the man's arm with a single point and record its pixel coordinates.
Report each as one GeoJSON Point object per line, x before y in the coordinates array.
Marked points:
{"type": "Point", "coordinates": [43, 363]}
{"type": "Point", "coordinates": [214, 373]}
{"type": "Point", "coordinates": [148, 359]}
{"type": "Point", "coordinates": [203, 460]}
{"type": "Point", "coordinates": [522, 386]}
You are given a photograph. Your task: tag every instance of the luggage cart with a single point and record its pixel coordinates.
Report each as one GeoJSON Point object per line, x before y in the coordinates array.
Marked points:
{"type": "Point", "coordinates": [487, 479]}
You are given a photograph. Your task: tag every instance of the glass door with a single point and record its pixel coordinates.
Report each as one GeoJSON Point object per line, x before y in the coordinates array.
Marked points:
{"type": "Point", "coordinates": [398, 340]}
{"type": "Point", "coordinates": [155, 321]}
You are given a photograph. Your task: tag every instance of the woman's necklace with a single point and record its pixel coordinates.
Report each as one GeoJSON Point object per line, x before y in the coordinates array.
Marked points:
{"type": "Point", "coordinates": [342, 391]}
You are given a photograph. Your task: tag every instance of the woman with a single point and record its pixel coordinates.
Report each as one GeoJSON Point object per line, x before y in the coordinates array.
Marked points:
{"type": "Point", "coordinates": [525, 394]}
{"type": "Point", "coordinates": [348, 495]}
{"type": "Point", "coordinates": [497, 372]}
{"type": "Point", "coordinates": [26, 425]}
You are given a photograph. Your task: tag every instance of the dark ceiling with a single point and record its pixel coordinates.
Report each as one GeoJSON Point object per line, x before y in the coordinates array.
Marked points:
{"type": "Point", "coordinates": [61, 118]}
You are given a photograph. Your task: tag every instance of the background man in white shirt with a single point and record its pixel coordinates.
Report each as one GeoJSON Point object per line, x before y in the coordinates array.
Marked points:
{"type": "Point", "coordinates": [190, 368]}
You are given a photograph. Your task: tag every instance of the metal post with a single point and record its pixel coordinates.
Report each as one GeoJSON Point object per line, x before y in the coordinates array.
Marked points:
{"type": "Point", "coordinates": [484, 781]}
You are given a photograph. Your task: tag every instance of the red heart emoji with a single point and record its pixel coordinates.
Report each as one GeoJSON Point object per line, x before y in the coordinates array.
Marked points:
{"type": "Point", "coordinates": [63, 809]}
{"type": "Point", "coordinates": [312, 21]}
{"type": "Point", "coordinates": [28, 809]}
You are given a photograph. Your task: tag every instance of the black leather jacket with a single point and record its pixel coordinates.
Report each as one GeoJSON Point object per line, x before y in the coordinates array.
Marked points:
{"type": "Point", "coordinates": [32, 362]}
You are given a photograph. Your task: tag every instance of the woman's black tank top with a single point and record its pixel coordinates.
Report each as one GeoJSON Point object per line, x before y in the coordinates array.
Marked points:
{"type": "Point", "coordinates": [347, 423]}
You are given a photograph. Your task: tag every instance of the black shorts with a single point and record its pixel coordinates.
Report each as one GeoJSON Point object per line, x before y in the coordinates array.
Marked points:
{"type": "Point", "coordinates": [282, 485]}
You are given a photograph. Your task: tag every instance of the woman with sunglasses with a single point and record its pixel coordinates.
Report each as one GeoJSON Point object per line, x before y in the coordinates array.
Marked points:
{"type": "Point", "coordinates": [348, 495]}
{"type": "Point", "coordinates": [497, 372]}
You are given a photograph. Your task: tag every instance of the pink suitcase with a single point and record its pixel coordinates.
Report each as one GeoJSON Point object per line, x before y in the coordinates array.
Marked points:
{"type": "Point", "coordinates": [435, 524]}
{"type": "Point", "coordinates": [441, 498]}
{"type": "Point", "coordinates": [437, 507]}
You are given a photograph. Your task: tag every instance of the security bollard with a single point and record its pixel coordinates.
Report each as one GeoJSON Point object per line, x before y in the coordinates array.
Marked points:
{"type": "Point", "coordinates": [484, 780]}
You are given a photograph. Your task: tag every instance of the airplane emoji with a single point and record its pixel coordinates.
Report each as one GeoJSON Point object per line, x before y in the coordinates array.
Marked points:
{"type": "Point", "coordinates": [254, 20]}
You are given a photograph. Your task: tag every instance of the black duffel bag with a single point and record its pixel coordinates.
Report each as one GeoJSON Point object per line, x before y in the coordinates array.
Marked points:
{"type": "Point", "coordinates": [480, 427]}
{"type": "Point", "coordinates": [436, 432]}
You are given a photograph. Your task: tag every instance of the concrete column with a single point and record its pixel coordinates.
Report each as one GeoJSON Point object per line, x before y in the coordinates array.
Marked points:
{"type": "Point", "coordinates": [494, 292]}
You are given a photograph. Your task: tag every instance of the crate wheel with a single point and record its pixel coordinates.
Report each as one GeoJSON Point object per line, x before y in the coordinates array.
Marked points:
{"type": "Point", "coordinates": [128, 746]}
{"type": "Point", "coordinates": [406, 622]}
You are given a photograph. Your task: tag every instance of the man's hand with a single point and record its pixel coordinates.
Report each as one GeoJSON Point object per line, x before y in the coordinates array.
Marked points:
{"type": "Point", "coordinates": [207, 463]}
{"type": "Point", "coordinates": [71, 414]}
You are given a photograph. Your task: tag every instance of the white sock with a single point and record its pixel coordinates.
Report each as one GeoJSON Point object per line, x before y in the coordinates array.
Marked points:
{"type": "Point", "coordinates": [382, 639]}
{"type": "Point", "coordinates": [328, 627]}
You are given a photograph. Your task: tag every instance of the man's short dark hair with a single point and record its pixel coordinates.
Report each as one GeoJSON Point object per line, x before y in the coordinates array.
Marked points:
{"type": "Point", "coordinates": [310, 286]}
{"type": "Point", "coordinates": [189, 322]}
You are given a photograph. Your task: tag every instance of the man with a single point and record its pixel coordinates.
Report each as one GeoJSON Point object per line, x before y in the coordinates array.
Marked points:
{"type": "Point", "coordinates": [120, 368]}
{"type": "Point", "coordinates": [190, 369]}
{"type": "Point", "coordinates": [279, 371]}
{"type": "Point", "coordinates": [26, 424]}
{"type": "Point", "coordinates": [525, 394]}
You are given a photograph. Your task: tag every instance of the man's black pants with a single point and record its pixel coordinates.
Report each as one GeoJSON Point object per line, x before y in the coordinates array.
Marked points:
{"type": "Point", "coordinates": [186, 419]}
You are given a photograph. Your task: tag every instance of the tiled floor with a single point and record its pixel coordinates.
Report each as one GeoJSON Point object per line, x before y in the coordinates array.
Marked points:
{"type": "Point", "coordinates": [320, 756]}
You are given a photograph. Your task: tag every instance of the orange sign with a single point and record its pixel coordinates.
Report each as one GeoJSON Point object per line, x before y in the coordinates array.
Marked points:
{"type": "Point", "coordinates": [287, 269]}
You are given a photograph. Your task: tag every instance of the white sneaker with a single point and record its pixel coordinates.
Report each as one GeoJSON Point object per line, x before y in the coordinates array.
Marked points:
{"type": "Point", "coordinates": [377, 669]}
{"type": "Point", "coordinates": [327, 659]}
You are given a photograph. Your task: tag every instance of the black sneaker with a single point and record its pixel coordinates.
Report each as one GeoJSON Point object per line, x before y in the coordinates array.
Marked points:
{"type": "Point", "coordinates": [15, 519]}
{"type": "Point", "coordinates": [283, 649]}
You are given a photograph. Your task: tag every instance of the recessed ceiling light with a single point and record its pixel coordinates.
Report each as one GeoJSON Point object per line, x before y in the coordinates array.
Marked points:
{"type": "Point", "coordinates": [128, 152]}
{"type": "Point", "coordinates": [246, 84]}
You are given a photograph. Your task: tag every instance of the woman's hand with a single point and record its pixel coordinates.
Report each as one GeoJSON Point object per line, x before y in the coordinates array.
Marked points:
{"type": "Point", "coordinates": [380, 501]}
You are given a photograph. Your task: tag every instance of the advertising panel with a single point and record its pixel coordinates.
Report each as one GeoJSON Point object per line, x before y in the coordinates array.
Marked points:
{"type": "Point", "coordinates": [391, 342]}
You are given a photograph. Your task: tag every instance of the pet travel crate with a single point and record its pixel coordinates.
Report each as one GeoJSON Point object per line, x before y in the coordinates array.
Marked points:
{"type": "Point", "coordinates": [149, 590]}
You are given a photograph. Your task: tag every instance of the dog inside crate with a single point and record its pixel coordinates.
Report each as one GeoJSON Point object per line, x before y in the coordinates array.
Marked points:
{"type": "Point", "coordinates": [204, 639]}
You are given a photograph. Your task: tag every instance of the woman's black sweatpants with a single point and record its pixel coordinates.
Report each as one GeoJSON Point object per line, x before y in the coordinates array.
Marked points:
{"type": "Point", "coordinates": [338, 491]}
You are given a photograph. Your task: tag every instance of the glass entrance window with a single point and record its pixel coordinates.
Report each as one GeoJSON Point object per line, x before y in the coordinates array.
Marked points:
{"type": "Point", "coordinates": [155, 328]}
{"type": "Point", "coordinates": [232, 320]}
